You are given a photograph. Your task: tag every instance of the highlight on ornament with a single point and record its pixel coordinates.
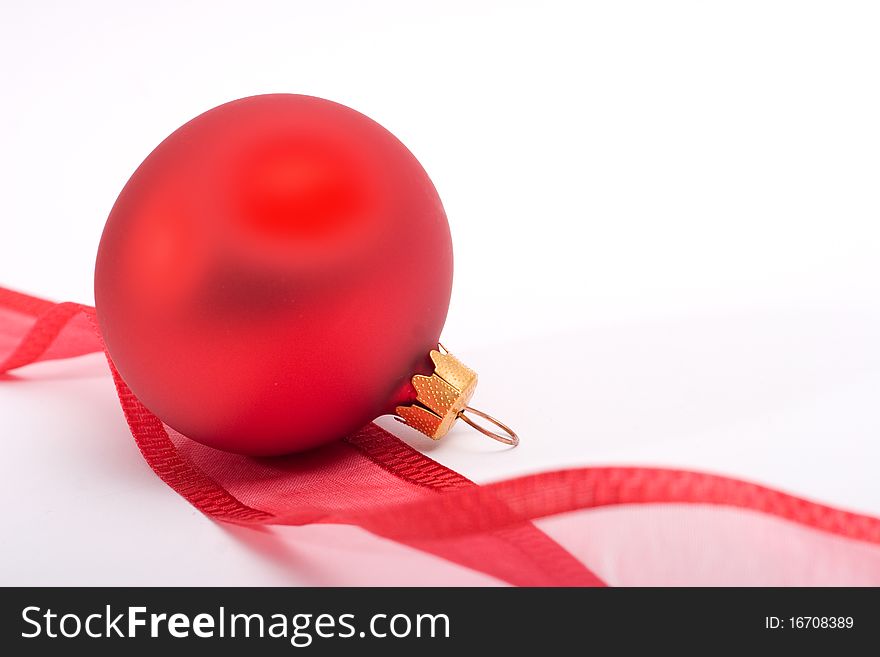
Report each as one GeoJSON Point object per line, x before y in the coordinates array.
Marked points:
{"type": "Point", "coordinates": [276, 274]}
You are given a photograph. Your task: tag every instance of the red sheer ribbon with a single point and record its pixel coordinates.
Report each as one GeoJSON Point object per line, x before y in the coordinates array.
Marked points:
{"type": "Point", "coordinates": [375, 481]}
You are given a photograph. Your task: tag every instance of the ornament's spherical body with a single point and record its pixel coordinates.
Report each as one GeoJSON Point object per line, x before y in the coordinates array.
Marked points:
{"type": "Point", "coordinates": [273, 274]}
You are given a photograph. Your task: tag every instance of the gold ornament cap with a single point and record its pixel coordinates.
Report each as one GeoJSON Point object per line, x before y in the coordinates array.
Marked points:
{"type": "Point", "coordinates": [442, 398]}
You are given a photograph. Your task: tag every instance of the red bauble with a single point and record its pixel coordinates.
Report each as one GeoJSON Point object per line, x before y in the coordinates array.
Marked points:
{"type": "Point", "coordinates": [273, 274]}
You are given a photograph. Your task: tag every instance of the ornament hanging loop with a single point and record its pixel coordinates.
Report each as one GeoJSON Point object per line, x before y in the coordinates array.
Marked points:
{"type": "Point", "coordinates": [442, 398]}
{"type": "Point", "coordinates": [509, 439]}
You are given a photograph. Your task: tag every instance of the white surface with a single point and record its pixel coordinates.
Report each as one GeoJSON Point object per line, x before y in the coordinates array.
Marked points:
{"type": "Point", "coordinates": [665, 218]}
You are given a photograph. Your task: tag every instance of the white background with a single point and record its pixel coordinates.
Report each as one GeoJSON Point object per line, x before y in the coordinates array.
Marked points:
{"type": "Point", "coordinates": [665, 218]}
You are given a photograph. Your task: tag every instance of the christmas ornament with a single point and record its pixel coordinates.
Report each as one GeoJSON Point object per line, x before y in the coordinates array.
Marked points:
{"type": "Point", "coordinates": [276, 274]}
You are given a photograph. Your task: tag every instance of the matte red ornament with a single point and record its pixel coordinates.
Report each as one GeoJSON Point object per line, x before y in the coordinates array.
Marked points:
{"type": "Point", "coordinates": [273, 275]}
